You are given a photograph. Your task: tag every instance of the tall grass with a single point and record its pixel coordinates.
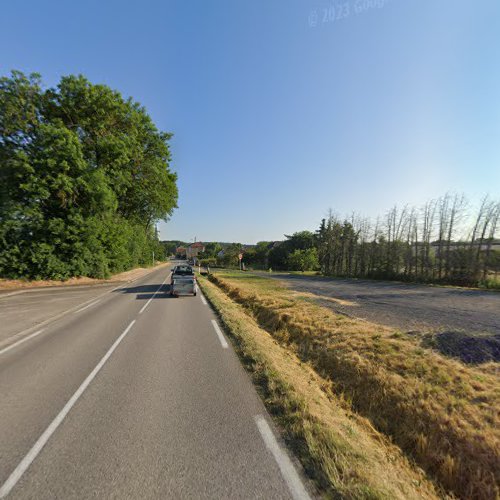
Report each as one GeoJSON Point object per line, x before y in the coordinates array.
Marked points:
{"type": "Point", "coordinates": [340, 452]}
{"type": "Point", "coordinates": [443, 414]}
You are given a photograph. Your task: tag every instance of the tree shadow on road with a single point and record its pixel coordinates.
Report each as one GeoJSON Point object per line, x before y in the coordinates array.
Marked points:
{"type": "Point", "coordinates": [146, 292]}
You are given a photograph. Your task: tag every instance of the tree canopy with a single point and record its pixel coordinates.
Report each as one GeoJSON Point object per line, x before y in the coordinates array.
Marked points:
{"type": "Point", "coordinates": [84, 176]}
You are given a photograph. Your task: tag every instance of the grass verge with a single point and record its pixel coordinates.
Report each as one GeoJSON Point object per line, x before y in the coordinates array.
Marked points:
{"type": "Point", "coordinates": [341, 451]}
{"type": "Point", "coordinates": [441, 413]}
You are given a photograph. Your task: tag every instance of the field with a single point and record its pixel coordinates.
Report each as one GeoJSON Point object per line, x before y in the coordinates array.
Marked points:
{"type": "Point", "coordinates": [438, 413]}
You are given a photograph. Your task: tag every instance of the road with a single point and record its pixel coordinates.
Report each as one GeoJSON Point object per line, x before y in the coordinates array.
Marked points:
{"type": "Point", "coordinates": [404, 306]}
{"type": "Point", "coordinates": [132, 395]}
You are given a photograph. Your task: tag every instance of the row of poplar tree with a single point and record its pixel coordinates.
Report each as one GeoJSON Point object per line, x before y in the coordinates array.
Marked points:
{"type": "Point", "coordinates": [84, 176]}
{"type": "Point", "coordinates": [446, 240]}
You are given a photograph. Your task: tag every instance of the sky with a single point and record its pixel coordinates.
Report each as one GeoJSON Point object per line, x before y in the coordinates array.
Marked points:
{"type": "Point", "coordinates": [284, 109]}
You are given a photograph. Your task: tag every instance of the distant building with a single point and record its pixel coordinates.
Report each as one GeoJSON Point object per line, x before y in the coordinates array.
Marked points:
{"type": "Point", "coordinates": [180, 251]}
{"type": "Point", "coordinates": [193, 250]}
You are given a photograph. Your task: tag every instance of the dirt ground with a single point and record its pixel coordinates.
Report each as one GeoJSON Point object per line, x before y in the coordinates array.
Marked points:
{"type": "Point", "coordinates": [458, 322]}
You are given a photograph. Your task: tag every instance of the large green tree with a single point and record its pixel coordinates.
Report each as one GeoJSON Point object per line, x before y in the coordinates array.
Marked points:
{"type": "Point", "coordinates": [84, 176]}
{"type": "Point", "coordinates": [278, 255]}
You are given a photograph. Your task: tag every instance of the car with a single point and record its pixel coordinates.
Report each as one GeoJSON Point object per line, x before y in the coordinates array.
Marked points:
{"type": "Point", "coordinates": [182, 270]}
{"type": "Point", "coordinates": [183, 285]}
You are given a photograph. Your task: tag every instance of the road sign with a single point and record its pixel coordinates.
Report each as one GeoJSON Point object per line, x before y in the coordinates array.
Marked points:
{"type": "Point", "coordinates": [240, 256]}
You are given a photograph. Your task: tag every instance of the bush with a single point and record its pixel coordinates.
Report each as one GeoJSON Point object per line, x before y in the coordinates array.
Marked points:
{"type": "Point", "coordinates": [303, 260]}
{"type": "Point", "coordinates": [211, 261]}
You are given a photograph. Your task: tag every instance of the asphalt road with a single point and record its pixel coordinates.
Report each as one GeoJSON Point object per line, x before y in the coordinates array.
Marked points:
{"type": "Point", "coordinates": [22, 310]}
{"type": "Point", "coordinates": [404, 306]}
{"type": "Point", "coordinates": [137, 395]}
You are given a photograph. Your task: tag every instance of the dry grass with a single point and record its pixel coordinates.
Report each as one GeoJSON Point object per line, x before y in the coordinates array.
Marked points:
{"type": "Point", "coordinates": [339, 450]}
{"type": "Point", "coordinates": [441, 413]}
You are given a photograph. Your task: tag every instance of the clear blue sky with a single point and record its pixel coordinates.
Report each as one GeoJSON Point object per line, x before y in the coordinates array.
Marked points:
{"type": "Point", "coordinates": [278, 115]}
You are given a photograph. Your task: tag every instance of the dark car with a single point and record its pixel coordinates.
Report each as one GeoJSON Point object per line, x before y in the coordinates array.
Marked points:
{"type": "Point", "coordinates": [181, 271]}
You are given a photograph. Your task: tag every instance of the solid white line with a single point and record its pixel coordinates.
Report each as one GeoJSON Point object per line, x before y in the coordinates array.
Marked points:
{"type": "Point", "coordinates": [42, 440]}
{"type": "Point", "coordinates": [287, 469]}
{"type": "Point", "coordinates": [86, 307]}
{"type": "Point", "coordinates": [19, 342]}
{"type": "Point", "coordinates": [154, 295]}
{"type": "Point", "coordinates": [223, 341]}
{"type": "Point", "coordinates": [203, 299]}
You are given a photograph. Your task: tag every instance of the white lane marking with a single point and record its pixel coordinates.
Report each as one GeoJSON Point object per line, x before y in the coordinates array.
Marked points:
{"type": "Point", "coordinates": [67, 311]}
{"type": "Point", "coordinates": [54, 318]}
{"type": "Point", "coordinates": [86, 307]}
{"type": "Point", "coordinates": [287, 469]}
{"type": "Point", "coordinates": [154, 295]}
{"type": "Point", "coordinates": [10, 294]}
{"type": "Point", "coordinates": [42, 440]}
{"type": "Point", "coordinates": [218, 331]}
{"type": "Point", "coordinates": [203, 299]}
{"type": "Point", "coordinates": [19, 342]}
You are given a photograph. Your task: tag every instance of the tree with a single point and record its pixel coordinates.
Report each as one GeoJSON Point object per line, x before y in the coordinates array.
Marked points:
{"type": "Point", "coordinates": [456, 214]}
{"type": "Point", "coordinates": [301, 240]}
{"type": "Point", "coordinates": [412, 244]}
{"type": "Point", "coordinates": [262, 253]}
{"type": "Point", "coordinates": [303, 260]}
{"type": "Point", "coordinates": [230, 257]}
{"type": "Point", "coordinates": [211, 250]}
{"type": "Point", "coordinates": [84, 175]}
{"type": "Point", "coordinates": [490, 258]}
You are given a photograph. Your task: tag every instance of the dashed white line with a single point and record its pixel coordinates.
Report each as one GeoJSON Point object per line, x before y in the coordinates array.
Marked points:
{"type": "Point", "coordinates": [143, 308]}
{"type": "Point", "coordinates": [218, 331]}
{"type": "Point", "coordinates": [42, 440]}
{"type": "Point", "coordinates": [154, 295]}
{"type": "Point", "coordinates": [203, 299]}
{"type": "Point", "coordinates": [19, 342]}
{"type": "Point", "coordinates": [87, 306]}
{"type": "Point", "coordinates": [287, 469]}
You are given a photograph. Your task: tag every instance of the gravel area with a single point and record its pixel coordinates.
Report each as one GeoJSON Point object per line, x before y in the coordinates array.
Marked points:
{"type": "Point", "coordinates": [463, 323]}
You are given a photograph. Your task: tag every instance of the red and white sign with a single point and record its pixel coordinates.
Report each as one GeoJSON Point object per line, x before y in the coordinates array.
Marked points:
{"type": "Point", "coordinates": [240, 256]}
